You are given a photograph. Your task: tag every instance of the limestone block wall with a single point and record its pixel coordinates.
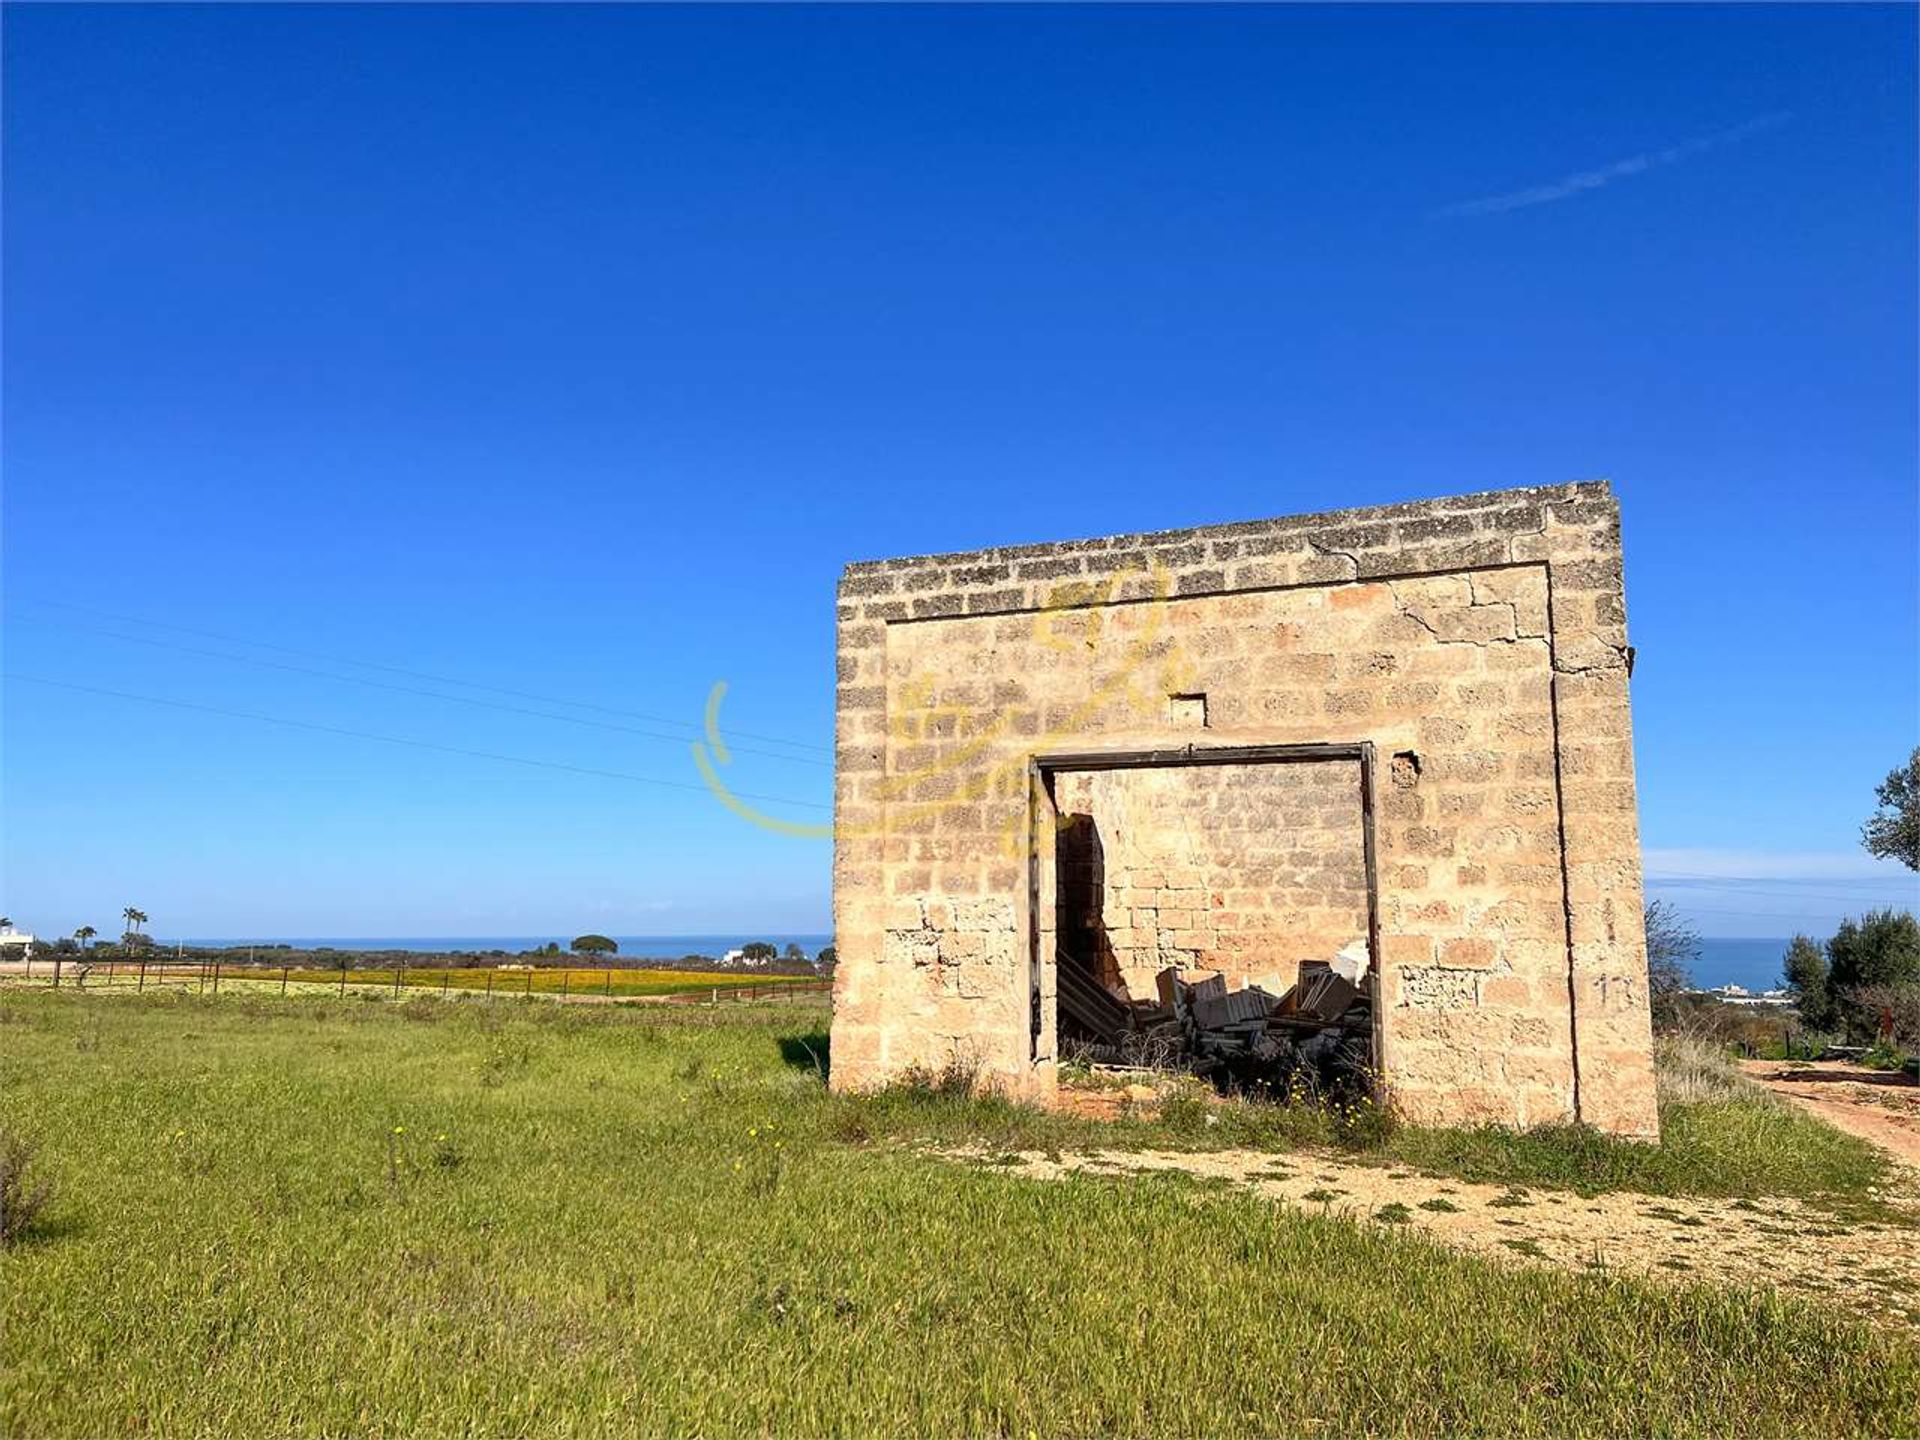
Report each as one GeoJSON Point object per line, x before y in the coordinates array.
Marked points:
{"type": "Point", "coordinates": [1477, 643]}
{"type": "Point", "coordinates": [1245, 869]}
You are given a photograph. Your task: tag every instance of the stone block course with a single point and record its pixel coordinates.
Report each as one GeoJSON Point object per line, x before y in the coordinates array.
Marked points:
{"type": "Point", "coordinates": [1482, 637]}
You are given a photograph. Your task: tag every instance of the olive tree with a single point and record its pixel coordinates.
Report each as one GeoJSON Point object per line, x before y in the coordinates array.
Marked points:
{"type": "Point", "coordinates": [1893, 830]}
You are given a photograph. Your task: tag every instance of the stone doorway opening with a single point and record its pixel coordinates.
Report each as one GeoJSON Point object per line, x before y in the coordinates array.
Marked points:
{"type": "Point", "coordinates": [1210, 909]}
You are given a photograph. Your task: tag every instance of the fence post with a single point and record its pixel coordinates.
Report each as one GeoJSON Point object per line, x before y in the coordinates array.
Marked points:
{"type": "Point", "coordinates": [490, 982]}
{"type": "Point", "coordinates": [398, 971]}
{"type": "Point", "coordinates": [445, 976]}
{"type": "Point", "coordinates": [283, 980]}
{"type": "Point", "coordinates": [216, 977]}
{"type": "Point", "coordinates": [609, 982]}
{"type": "Point", "coordinates": [142, 985]}
{"type": "Point", "coordinates": [716, 995]}
{"type": "Point", "coordinates": [529, 994]}
{"type": "Point", "coordinates": [56, 969]}
{"type": "Point", "coordinates": [343, 979]}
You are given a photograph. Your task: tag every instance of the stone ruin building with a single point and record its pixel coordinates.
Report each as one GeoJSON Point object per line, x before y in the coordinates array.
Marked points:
{"type": "Point", "coordinates": [1348, 794]}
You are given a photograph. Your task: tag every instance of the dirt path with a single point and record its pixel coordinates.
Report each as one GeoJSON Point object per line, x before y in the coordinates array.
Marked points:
{"type": "Point", "coordinates": [1871, 1268]}
{"type": "Point", "coordinates": [1879, 1106]}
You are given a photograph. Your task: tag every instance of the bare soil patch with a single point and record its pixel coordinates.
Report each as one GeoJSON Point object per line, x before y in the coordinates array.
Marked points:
{"type": "Point", "coordinates": [1881, 1107]}
{"type": "Point", "coordinates": [1872, 1269]}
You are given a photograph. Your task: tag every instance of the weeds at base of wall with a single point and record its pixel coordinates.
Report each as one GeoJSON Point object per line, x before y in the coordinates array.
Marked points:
{"type": "Point", "coordinates": [1723, 1136]}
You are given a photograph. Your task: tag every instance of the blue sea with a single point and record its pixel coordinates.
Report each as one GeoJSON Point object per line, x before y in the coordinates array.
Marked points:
{"type": "Point", "coordinates": [643, 947]}
{"type": "Point", "coordinates": [1752, 963]}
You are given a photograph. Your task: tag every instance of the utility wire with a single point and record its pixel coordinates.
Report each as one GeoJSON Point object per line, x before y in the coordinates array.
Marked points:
{"type": "Point", "coordinates": [417, 674]}
{"type": "Point", "coordinates": [1812, 913]}
{"type": "Point", "coordinates": [1849, 881]}
{"type": "Point", "coordinates": [429, 694]}
{"type": "Point", "coordinates": [402, 740]}
{"type": "Point", "coordinates": [1716, 891]}
{"type": "Point", "coordinates": [1788, 888]}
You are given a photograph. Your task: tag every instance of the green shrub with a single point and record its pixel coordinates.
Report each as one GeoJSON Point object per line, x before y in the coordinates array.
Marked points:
{"type": "Point", "coordinates": [23, 1195]}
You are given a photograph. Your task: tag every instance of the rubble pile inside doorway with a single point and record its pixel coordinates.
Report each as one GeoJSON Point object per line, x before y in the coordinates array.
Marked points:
{"type": "Point", "coordinates": [1319, 1032]}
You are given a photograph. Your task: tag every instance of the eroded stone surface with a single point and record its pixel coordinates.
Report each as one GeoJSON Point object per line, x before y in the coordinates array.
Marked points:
{"type": "Point", "coordinates": [1477, 642]}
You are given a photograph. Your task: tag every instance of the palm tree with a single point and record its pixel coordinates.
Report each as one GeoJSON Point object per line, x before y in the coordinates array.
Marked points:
{"type": "Point", "coordinates": [135, 918]}
{"type": "Point", "coordinates": [84, 934]}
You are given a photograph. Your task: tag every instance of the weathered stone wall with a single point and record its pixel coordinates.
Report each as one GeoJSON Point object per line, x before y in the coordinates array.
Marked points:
{"type": "Point", "coordinates": [1478, 642]}
{"type": "Point", "coordinates": [1245, 869]}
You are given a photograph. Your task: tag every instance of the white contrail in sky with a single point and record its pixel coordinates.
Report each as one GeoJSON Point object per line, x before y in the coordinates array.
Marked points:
{"type": "Point", "coordinates": [1582, 181]}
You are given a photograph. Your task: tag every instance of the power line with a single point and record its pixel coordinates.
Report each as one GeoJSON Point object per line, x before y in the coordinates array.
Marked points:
{"type": "Point", "coordinates": [403, 740]}
{"type": "Point", "coordinates": [1809, 914]}
{"type": "Point", "coordinates": [429, 694]}
{"type": "Point", "coordinates": [1856, 882]}
{"type": "Point", "coordinates": [417, 674]}
{"type": "Point", "coordinates": [1727, 891]}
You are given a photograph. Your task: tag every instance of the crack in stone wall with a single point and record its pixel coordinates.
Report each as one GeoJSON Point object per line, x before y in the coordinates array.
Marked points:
{"type": "Point", "coordinates": [1484, 635]}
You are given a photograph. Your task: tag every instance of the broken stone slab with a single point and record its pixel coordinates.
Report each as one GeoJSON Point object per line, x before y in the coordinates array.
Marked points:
{"type": "Point", "coordinates": [1352, 962]}
{"type": "Point", "coordinates": [1217, 1012]}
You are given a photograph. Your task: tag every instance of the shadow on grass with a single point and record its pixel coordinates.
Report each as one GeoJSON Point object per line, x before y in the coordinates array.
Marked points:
{"type": "Point", "coordinates": [808, 1051]}
{"type": "Point", "coordinates": [48, 1230]}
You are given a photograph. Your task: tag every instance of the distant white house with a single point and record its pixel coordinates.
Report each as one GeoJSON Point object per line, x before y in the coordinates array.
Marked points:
{"type": "Point", "coordinates": [1740, 995]}
{"type": "Point", "coordinates": [734, 958]}
{"type": "Point", "coordinates": [15, 944]}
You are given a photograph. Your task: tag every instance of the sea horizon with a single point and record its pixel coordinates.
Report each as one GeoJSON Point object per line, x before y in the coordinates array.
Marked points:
{"type": "Point", "coordinates": [640, 946]}
{"type": "Point", "coordinates": [1723, 960]}
{"type": "Point", "coordinates": [1739, 960]}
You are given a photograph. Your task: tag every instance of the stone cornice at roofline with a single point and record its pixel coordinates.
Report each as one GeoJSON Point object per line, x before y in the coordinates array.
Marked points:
{"type": "Point", "coordinates": [1587, 491]}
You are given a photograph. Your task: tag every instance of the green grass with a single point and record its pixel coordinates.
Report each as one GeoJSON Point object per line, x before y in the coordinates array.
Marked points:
{"type": "Point", "coordinates": [1721, 1136]}
{"type": "Point", "coordinates": [429, 1218]}
{"type": "Point", "coordinates": [500, 983]}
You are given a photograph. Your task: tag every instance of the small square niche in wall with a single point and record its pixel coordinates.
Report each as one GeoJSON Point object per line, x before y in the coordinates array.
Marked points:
{"type": "Point", "coordinates": [1189, 712]}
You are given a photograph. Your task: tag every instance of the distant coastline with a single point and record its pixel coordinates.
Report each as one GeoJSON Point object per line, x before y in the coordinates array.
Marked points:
{"type": "Point", "coordinates": [1754, 963]}
{"type": "Point", "coordinates": [641, 947]}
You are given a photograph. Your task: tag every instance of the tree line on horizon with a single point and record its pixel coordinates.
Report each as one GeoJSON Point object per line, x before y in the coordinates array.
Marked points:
{"type": "Point", "coordinates": [758, 954]}
{"type": "Point", "coordinates": [1863, 982]}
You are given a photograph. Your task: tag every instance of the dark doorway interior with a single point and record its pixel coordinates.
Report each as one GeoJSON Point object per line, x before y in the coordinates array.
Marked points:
{"type": "Point", "coordinates": [1225, 926]}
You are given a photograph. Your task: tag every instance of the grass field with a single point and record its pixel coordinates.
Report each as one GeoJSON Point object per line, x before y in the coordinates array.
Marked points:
{"type": "Point", "coordinates": [1722, 1136]}
{"type": "Point", "coordinates": [419, 1217]}
{"type": "Point", "coordinates": [501, 983]}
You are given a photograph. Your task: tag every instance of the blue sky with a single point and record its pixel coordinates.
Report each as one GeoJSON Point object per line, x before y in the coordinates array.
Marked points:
{"type": "Point", "coordinates": [571, 352]}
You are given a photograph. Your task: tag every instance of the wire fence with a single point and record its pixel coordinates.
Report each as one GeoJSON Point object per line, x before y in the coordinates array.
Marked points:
{"type": "Point", "coordinates": [607, 983]}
